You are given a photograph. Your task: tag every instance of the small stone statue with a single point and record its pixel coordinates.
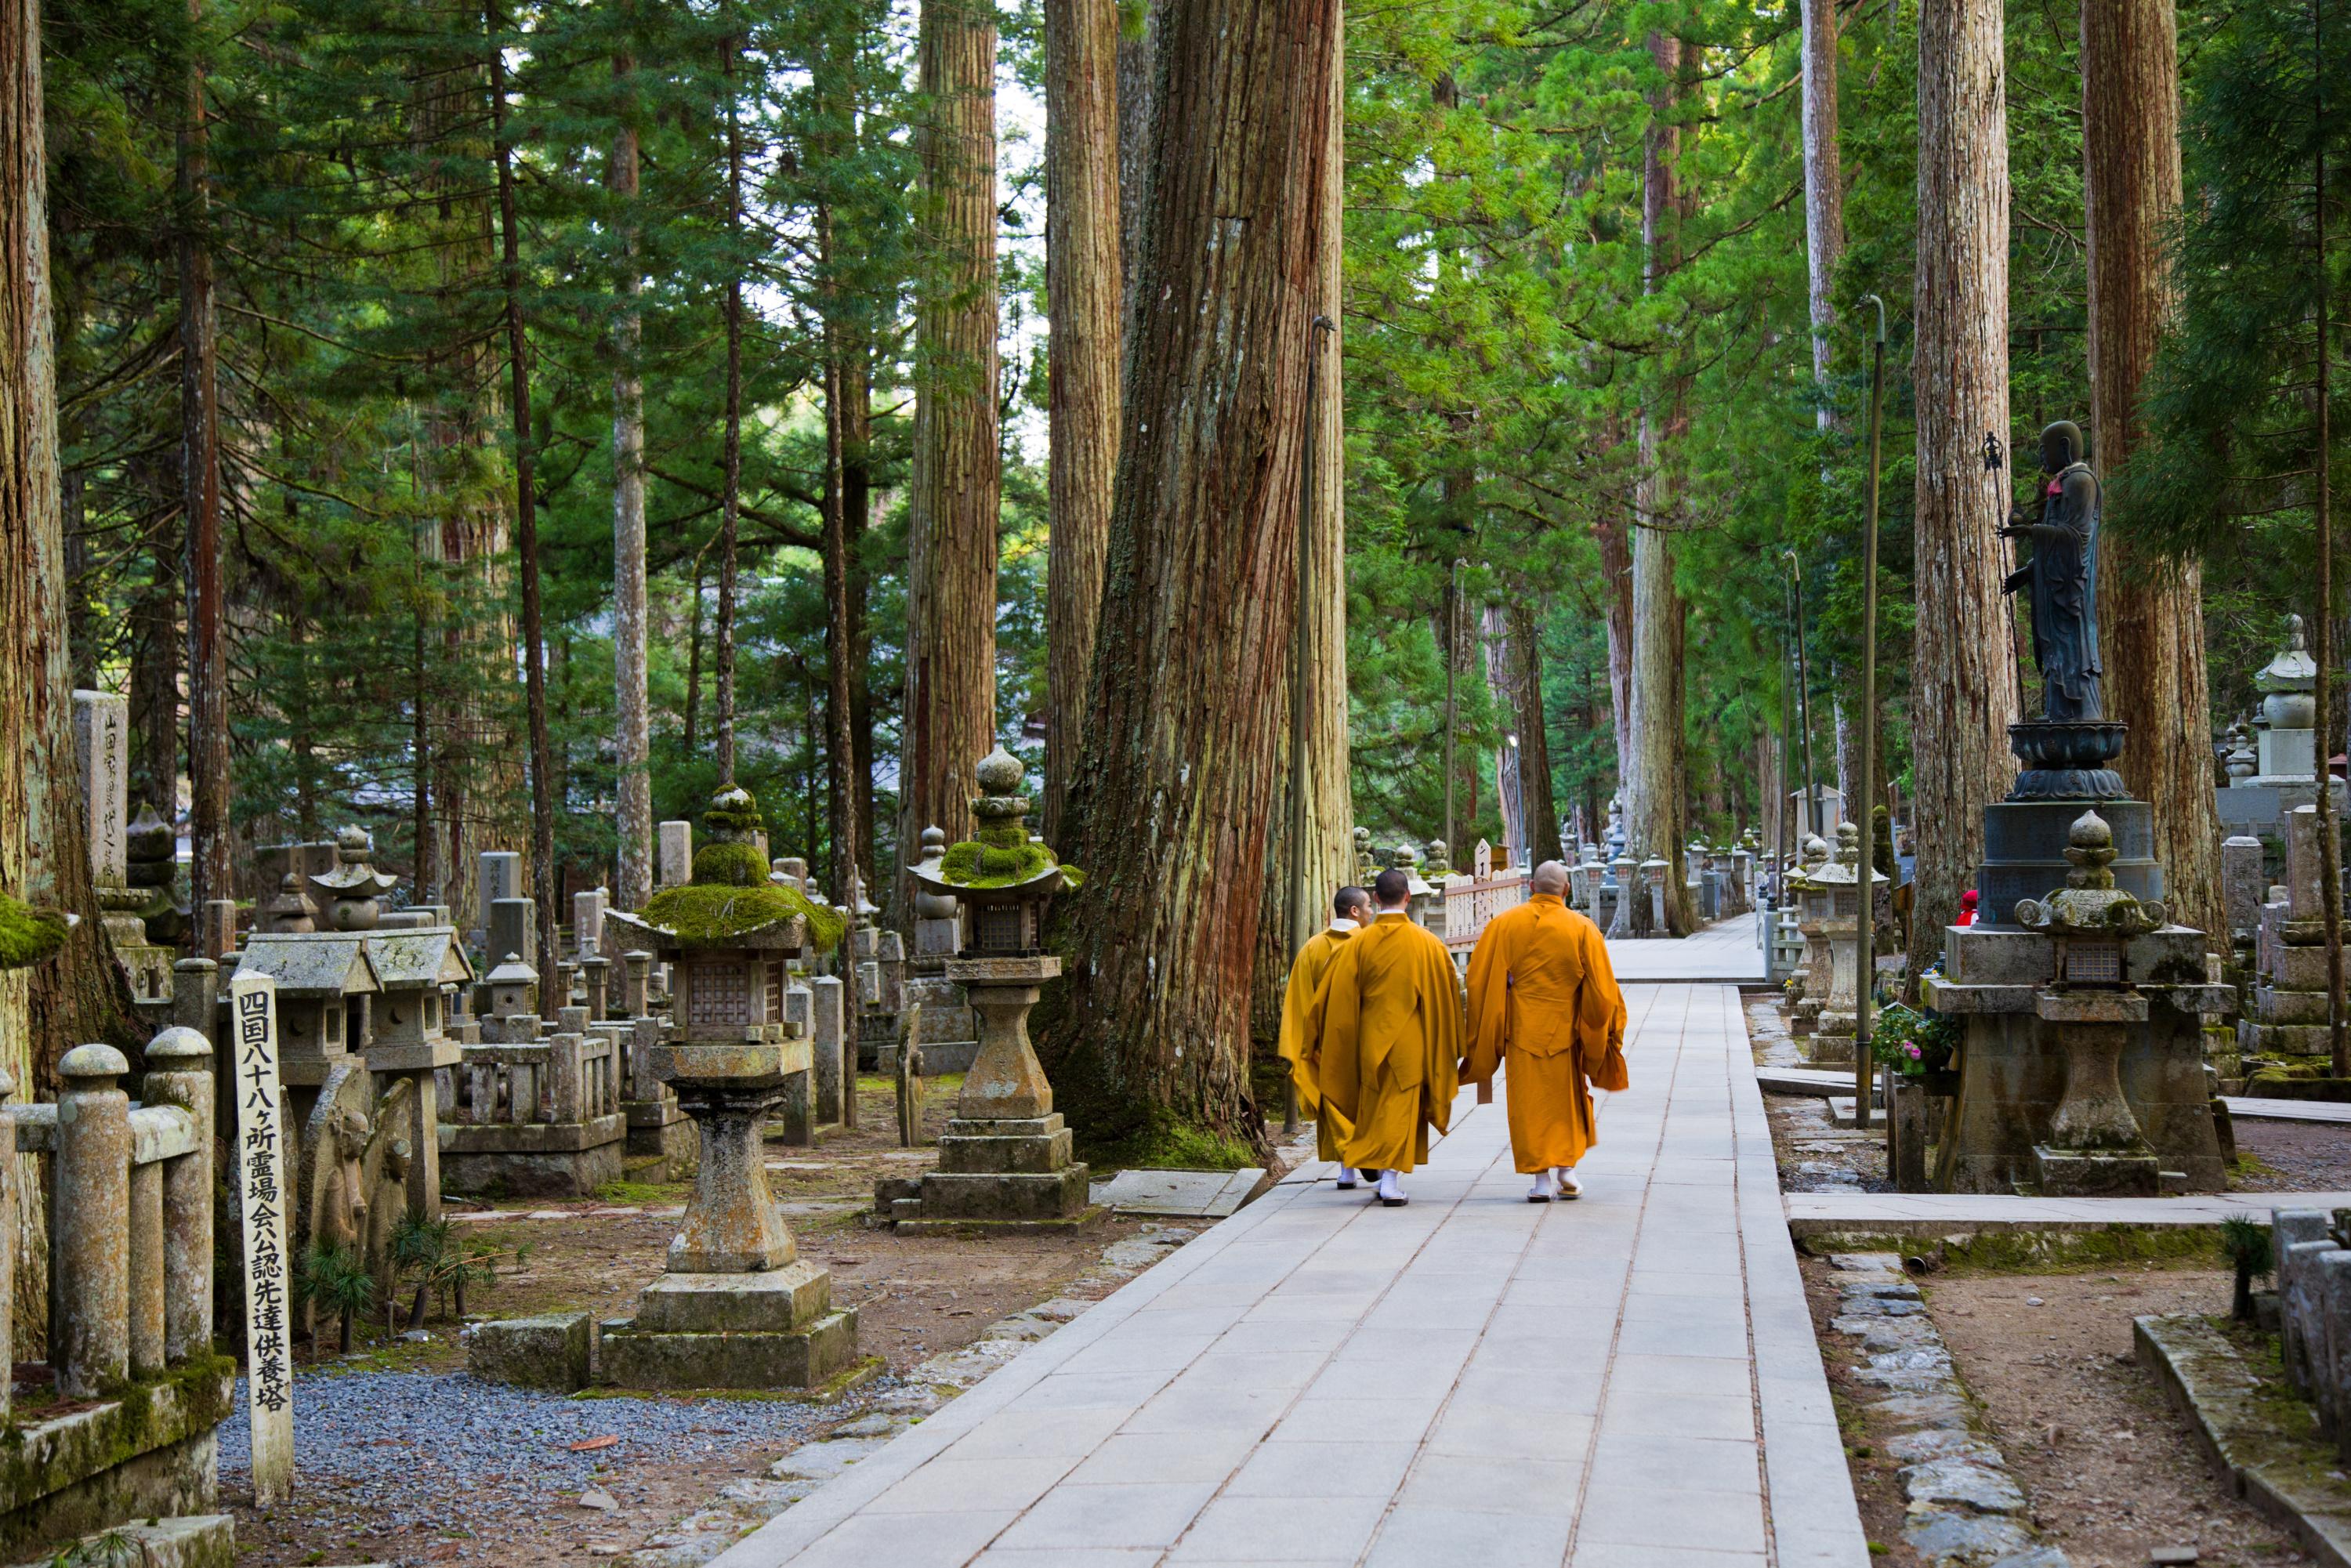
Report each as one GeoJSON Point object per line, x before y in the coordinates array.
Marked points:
{"type": "Point", "coordinates": [2062, 576]}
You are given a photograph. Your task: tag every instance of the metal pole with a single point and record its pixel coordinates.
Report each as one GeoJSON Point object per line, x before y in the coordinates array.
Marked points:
{"type": "Point", "coordinates": [1452, 642]}
{"type": "Point", "coordinates": [1302, 888]}
{"type": "Point", "coordinates": [1805, 697]}
{"type": "Point", "coordinates": [1865, 955]}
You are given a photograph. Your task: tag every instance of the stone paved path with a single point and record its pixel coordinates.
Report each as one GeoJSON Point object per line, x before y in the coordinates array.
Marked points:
{"type": "Point", "coordinates": [1626, 1380]}
{"type": "Point", "coordinates": [1934, 1213]}
{"type": "Point", "coordinates": [1725, 950]}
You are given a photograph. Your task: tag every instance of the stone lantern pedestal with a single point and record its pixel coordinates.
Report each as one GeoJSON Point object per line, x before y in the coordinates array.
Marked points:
{"type": "Point", "coordinates": [1004, 1159]}
{"type": "Point", "coordinates": [2095, 1148]}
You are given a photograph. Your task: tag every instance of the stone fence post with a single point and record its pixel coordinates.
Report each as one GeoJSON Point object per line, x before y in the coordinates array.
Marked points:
{"type": "Point", "coordinates": [180, 1072]}
{"type": "Point", "coordinates": [89, 1241]}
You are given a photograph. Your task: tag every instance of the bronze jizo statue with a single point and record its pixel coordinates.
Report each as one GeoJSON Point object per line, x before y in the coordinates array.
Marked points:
{"type": "Point", "coordinates": [2064, 577]}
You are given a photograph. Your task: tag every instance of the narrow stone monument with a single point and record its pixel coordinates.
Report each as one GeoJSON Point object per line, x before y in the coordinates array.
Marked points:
{"type": "Point", "coordinates": [674, 857]}
{"type": "Point", "coordinates": [1004, 1159]}
{"type": "Point", "coordinates": [950, 1030]}
{"type": "Point", "coordinates": [737, 1307]}
{"type": "Point", "coordinates": [2286, 1014]}
{"type": "Point", "coordinates": [261, 1175]}
{"type": "Point", "coordinates": [102, 748]}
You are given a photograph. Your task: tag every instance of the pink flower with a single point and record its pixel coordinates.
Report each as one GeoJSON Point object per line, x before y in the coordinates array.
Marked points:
{"type": "Point", "coordinates": [1916, 1053]}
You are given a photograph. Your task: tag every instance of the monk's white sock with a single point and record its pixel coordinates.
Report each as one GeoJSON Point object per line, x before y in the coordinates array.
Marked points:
{"type": "Point", "coordinates": [1568, 1186]}
{"type": "Point", "coordinates": [1389, 1186]}
{"type": "Point", "coordinates": [1346, 1178]}
{"type": "Point", "coordinates": [1540, 1191]}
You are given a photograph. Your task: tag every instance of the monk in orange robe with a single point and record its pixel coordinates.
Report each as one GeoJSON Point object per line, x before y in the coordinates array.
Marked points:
{"type": "Point", "coordinates": [1351, 911]}
{"type": "Point", "coordinates": [1543, 1002]}
{"type": "Point", "coordinates": [1386, 1031]}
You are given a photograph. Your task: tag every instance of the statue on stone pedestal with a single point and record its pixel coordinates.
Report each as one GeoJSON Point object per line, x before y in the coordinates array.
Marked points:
{"type": "Point", "coordinates": [2062, 576]}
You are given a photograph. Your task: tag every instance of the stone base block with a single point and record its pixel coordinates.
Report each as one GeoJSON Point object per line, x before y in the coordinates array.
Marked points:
{"type": "Point", "coordinates": [199, 1540]}
{"type": "Point", "coordinates": [909, 1221]}
{"type": "Point", "coordinates": [636, 1358]}
{"type": "Point", "coordinates": [539, 1159]}
{"type": "Point", "coordinates": [2296, 969]}
{"type": "Point", "coordinates": [655, 1137]}
{"type": "Point", "coordinates": [772, 1300]}
{"type": "Point", "coordinates": [2284, 1039]}
{"type": "Point", "coordinates": [146, 1457]}
{"type": "Point", "coordinates": [2068, 1173]}
{"type": "Point", "coordinates": [1007, 1194]}
{"type": "Point", "coordinates": [941, 1057]}
{"type": "Point", "coordinates": [988, 1153]}
{"type": "Point", "coordinates": [1829, 1050]}
{"type": "Point", "coordinates": [556, 1350]}
{"type": "Point", "coordinates": [2272, 1004]}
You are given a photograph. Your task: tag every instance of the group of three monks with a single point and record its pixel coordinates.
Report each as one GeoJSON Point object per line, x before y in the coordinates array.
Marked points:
{"type": "Point", "coordinates": [1378, 1040]}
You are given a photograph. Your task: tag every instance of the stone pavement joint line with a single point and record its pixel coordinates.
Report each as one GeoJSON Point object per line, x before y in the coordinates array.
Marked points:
{"type": "Point", "coordinates": [1939, 1212]}
{"type": "Point", "coordinates": [1628, 1379]}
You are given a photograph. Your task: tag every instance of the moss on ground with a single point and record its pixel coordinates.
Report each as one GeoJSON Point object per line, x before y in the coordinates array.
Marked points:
{"type": "Point", "coordinates": [698, 912]}
{"type": "Point", "coordinates": [2046, 1251]}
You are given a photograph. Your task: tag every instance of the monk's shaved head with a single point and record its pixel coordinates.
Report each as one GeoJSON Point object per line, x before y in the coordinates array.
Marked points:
{"type": "Point", "coordinates": [1551, 877]}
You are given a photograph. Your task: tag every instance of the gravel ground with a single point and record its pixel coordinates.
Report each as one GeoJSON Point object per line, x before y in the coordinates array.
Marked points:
{"type": "Point", "coordinates": [434, 1451]}
{"type": "Point", "coordinates": [2302, 1157]}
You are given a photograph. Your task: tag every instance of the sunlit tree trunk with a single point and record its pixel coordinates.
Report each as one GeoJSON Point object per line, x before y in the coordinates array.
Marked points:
{"type": "Point", "coordinates": [1083, 294]}
{"type": "Point", "coordinates": [1655, 795]}
{"type": "Point", "coordinates": [1963, 670]}
{"type": "Point", "coordinates": [2150, 611]}
{"type": "Point", "coordinates": [1823, 181]}
{"type": "Point", "coordinates": [730, 456]}
{"type": "Point", "coordinates": [632, 734]}
{"type": "Point", "coordinates": [1187, 716]}
{"type": "Point", "coordinates": [950, 705]}
{"type": "Point", "coordinates": [209, 868]}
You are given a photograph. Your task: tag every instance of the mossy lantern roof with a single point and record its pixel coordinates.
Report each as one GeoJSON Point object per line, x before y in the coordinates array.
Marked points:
{"type": "Point", "coordinates": [732, 902]}
{"type": "Point", "coordinates": [1000, 864]}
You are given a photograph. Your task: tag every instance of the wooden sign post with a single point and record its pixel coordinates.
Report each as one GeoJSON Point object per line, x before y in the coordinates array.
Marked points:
{"type": "Point", "coordinates": [263, 1197]}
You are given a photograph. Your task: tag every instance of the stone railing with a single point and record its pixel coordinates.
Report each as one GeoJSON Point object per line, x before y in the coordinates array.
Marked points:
{"type": "Point", "coordinates": [128, 1202]}
{"type": "Point", "coordinates": [533, 1115]}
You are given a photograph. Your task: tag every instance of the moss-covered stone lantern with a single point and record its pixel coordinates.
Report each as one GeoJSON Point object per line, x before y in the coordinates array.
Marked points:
{"type": "Point", "coordinates": [1004, 1159]}
{"type": "Point", "coordinates": [737, 1307]}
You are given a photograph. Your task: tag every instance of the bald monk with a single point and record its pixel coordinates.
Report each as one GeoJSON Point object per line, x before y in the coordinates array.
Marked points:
{"type": "Point", "coordinates": [1543, 1002]}
{"type": "Point", "coordinates": [1385, 1033]}
{"type": "Point", "coordinates": [1351, 911]}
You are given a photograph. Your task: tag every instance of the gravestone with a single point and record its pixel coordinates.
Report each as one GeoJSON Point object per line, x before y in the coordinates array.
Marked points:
{"type": "Point", "coordinates": [499, 876]}
{"type": "Point", "coordinates": [102, 750]}
{"type": "Point", "coordinates": [2242, 886]}
{"type": "Point", "coordinates": [676, 857]}
{"type": "Point", "coordinates": [588, 921]}
{"type": "Point", "coordinates": [514, 930]}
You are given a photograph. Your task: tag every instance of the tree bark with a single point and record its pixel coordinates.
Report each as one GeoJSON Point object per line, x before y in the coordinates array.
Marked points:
{"type": "Point", "coordinates": [1138, 87]}
{"type": "Point", "coordinates": [950, 706]}
{"type": "Point", "coordinates": [730, 490]}
{"type": "Point", "coordinates": [1611, 530]}
{"type": "Point", "coordinates": [79, 994]}
{"type": "Point", "coordinates": [534, 650]}
{"type": "Point", "coordinates": [633, 733]}
{"type": "Point", "coordinates": [155, 649]}
{"type": "Point", "coordinates": [2151, 611]}
{"type": "Point", "coordinates": [1083, 271]}
{"type": "Point", "coordinates": [1656, 808]}
{"type": "Point", "coordinates": [1537, 805]}
{"type": "Point", "coordinates": [1963, 673]}
{"type": "Point", "coordinates": [1186, 720]}
{"type": "Point", "coordinates": [1329, 803]}
{"type": "Point", "coordinates": [210, 867]}
{"type": "Point", "coordinates": [1824, 183]}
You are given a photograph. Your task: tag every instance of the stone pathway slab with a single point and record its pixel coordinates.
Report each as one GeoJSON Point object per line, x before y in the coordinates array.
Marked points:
{"type": "Point", "coordinates": [1470, 1379]}
{"type": "Point", "coordinates": [1937, 1213]}
{"type": "Point", "coordinates": [1178, 1194]}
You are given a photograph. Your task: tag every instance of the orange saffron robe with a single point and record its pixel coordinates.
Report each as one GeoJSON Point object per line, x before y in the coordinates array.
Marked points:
{"type": "Point", "coordinates": [1386, 1028]}
{"type": "Point", "coordinates": [1306, 972]}
{"type": "Point", "coordinates": [1544, 1001]}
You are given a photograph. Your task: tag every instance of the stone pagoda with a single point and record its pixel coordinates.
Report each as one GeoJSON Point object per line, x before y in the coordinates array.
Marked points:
{"type": "Point", "coordinates": [737, 1307]}
{"type": "Point", "coordinates": [2279, 770]}
{"type": "Point", "coordinates": [1832, 895]}
{"type": "Point", "coordinates": [1004, 1159]}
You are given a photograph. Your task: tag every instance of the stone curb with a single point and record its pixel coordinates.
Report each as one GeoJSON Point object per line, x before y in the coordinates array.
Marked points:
{"type": "Point", "coordinates": [2287, 1477]}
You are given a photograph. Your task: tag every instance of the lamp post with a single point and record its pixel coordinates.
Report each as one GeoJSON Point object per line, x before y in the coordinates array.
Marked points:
{"type": "Point", "coordinates": [1804, 696]}
{"type": "Point", "coordinates": [1866, 935]}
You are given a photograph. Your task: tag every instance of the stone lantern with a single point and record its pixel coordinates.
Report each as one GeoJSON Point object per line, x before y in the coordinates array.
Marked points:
{"type": "Point", "coordinates": [1811, 904]}
{"type": "Point", "coordinates": [1836, 891]}
{"type": "Point", "coordinates": [737, 1307]}
{"type": "Point", "coordinates": [513, 988]}
{"type": "Point", "coordinates": [1005, 1158]}
{"type": "Point", "coordinates": [353, 887]}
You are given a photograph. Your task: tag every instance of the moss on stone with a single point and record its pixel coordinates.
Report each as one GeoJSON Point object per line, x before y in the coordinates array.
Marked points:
{"type": "Point", "coordinates": [700, 913]}
{"type": "Point", "coordinates": [729, 865]}
{"type": "Point", "coordinates": [734, 815]}
{"type": "Point", "coordinates": [28, 935]}
{"type": "Point", "coordinates": [976, 865]}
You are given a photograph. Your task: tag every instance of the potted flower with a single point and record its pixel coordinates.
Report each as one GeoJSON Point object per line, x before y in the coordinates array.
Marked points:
{"type": "Point", "coordinates": [1913, 1041]}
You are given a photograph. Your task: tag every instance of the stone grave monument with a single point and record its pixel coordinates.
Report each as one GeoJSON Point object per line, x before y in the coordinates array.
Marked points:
{"type": "Point", "coordinates": [131, 879]}
{"type": "Point", "coordinates": [2285, 773]}
{"type": "Point", "coordinates": [2081, 1071]}
{"type": "Point", "coordinates": [2286, 1014]}
{"type": "Point", "coordinates": [949, 1042]}
{"type": "Point", "coordinates": [1004, 1159]}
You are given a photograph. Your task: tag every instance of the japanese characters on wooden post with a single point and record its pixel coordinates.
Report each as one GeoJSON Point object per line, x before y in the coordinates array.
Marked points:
{"type": "Point", "coordinates": [260, 1175]}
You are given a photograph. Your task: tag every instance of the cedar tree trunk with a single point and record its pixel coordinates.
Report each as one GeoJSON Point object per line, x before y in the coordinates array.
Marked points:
{"type": "Point", "coordinates": [1824, 183]}
{"type": "Point", "coordinates": [633, 734]}
{"type": "Point", "coordinates": [1187, 717]}
{"type": "Point", "coordinates": [2151, 611]}
{"type": "Point", "coordinates": [210, 869]}
{"type": "Point", "coordinates": [1082, 293]}
{"type": "Point", "coordinates": [1963, 680]}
